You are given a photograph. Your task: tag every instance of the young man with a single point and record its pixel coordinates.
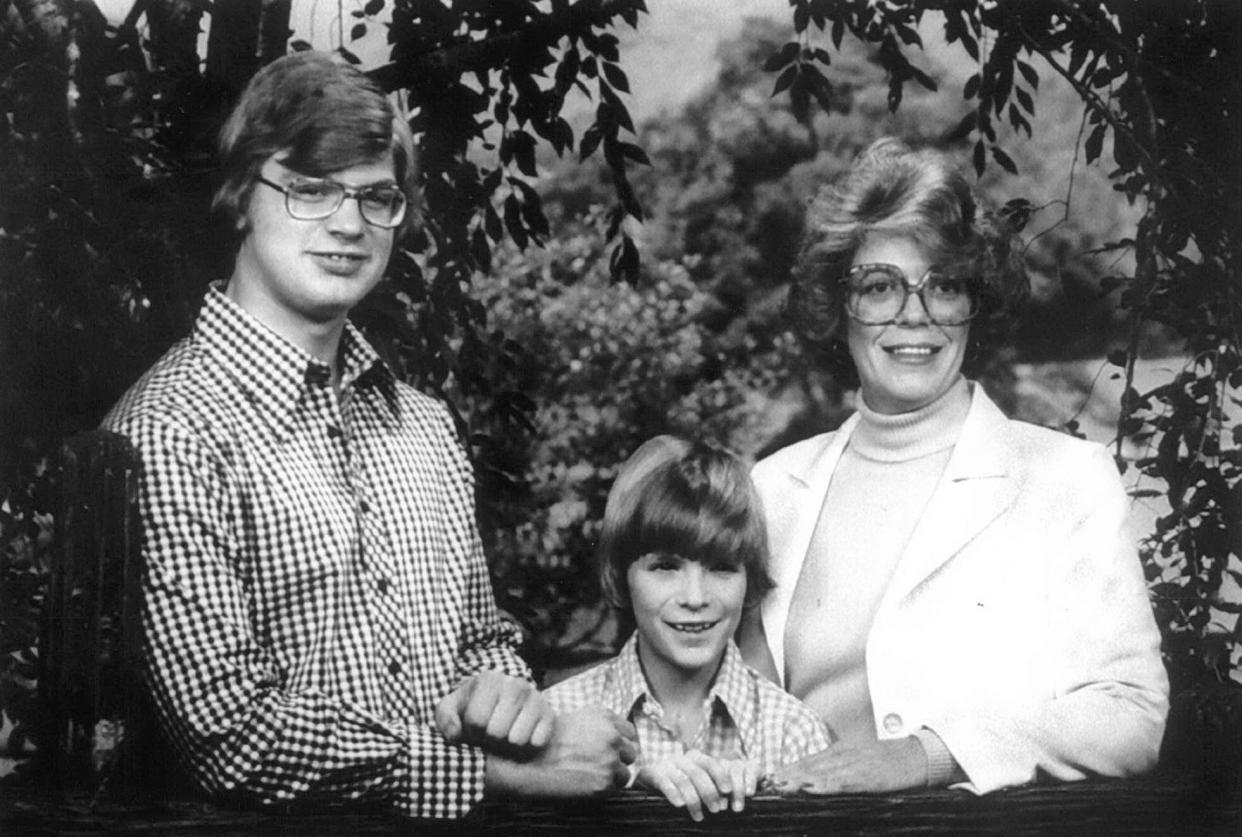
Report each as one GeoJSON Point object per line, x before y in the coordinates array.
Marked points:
{"type": "Point", "coordinates": [319, 622]}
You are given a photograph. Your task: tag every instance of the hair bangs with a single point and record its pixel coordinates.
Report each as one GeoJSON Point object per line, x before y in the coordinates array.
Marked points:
{"type": "Point", "coordinates": [701, 534]}
{"type": "Point", "coordinates": [687, 499]}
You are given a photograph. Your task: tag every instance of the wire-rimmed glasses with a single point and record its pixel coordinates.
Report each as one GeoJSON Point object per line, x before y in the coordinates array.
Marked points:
{"type": "Point", "coordinates": [314, 198]}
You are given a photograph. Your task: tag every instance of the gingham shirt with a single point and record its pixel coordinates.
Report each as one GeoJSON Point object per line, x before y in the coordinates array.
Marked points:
{"type": "Point", "coordinates": [747, 716]}
{"type": "Point", "coordinates": [314, 579]}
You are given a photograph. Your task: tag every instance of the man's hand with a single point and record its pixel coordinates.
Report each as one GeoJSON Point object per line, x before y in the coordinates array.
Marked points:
{"type": "Point", "coordinates": [873, 767]}
{"type": "Point", "coordinates": [586, 756]}
{"type": "Point", "coordinates": [496, 712]}
{"type": "Point", "coordinates": [695, 781]}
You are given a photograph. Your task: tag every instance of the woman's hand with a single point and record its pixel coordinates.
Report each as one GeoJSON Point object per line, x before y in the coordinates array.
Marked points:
{"type": "Point", "coordinates": [695, 781]}
{"type": "Point", "coordinates": [872, 767]}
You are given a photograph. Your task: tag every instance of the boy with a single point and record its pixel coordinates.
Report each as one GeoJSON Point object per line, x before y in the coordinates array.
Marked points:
{"type": "Point", "coordinates": [683, 552]}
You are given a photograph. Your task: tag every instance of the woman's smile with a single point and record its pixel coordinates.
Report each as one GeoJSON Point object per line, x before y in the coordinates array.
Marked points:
{"type": "Point", "coordinates": [915, 352]}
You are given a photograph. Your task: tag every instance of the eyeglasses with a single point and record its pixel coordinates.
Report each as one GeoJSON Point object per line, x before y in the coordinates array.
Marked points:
{"type": "Point", "coordinates": [313, 199]}
{"type": "Point", "coordinates": [876, 294]}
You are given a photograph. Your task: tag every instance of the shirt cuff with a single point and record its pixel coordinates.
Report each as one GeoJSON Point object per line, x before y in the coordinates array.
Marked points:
{"type": "Point", "coordinates": [942, 768]}
{"type": "Point", "coordinates": [446, 780]}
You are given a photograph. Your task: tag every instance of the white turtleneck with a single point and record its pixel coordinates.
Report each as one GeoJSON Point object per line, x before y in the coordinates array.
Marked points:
{"type": "Point", "coordinates": [878, 491]}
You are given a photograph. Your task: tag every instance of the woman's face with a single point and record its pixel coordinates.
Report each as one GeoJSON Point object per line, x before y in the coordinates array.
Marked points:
{"type": "Point", "coordinates": [911, 362]}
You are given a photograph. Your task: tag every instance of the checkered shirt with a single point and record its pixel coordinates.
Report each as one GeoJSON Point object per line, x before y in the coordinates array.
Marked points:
{"type": "Point", "coordinates": [747, 715]}
{"type": "Point", "coordinates": [314, 580]}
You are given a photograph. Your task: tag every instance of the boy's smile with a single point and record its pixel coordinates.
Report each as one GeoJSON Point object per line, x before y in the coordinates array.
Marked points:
{"type": "Point", "coordinates": [686, 613]}
{"type": "Point", "coordinates": [693, 627]}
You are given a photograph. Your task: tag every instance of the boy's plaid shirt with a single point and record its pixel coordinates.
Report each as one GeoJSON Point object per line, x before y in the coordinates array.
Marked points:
{"type": "Point", "coordinates": [747, 715]}
{"type": "Point", "coordinates": [314, 580]}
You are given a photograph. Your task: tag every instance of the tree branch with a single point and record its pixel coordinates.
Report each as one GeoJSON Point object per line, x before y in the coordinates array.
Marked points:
{"type": "Point", "coordinates": [466, 55]}
{"type": "Point", "coordinates": [1119, 45]}
{"type": "Point", "coordinates": [1092, 99]}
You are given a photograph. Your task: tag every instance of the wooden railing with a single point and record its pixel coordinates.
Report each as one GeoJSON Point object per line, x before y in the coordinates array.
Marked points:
{"type": "Point", "coordinates": [1149, 806]}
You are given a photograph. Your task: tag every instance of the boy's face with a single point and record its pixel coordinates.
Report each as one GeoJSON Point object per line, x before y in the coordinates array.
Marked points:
{"type": "Point", "coordinates": [685, 611]}
{"type": "Point", "coordinates": [295, 274]}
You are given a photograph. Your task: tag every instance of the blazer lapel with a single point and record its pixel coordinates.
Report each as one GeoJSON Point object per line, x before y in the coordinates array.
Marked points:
{"type": "Point", "coordinates": [976, 488]}
{"type": "Point", "coordinates": [796, 512]}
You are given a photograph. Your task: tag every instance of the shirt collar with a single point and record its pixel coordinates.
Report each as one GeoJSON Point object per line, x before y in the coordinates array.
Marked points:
{"type": "Point", "coordinates": [273, 373]}
{"type": "Point", "coordinates": [629, 684]}
{"type": "Point", "coordinates": [732, 690]}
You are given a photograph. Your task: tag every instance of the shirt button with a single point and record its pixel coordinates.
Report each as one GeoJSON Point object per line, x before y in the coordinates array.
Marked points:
{"type": "Point", "coordinates": [892, 723]}
{"type": "Point", "coordinates": [364, 505]}
{"type": "Point", "coordinates": [334, 432]}
{"type": "Point", "coordinates": [394, 668]}
{"type": "Point", "coordinates": [383, 585]}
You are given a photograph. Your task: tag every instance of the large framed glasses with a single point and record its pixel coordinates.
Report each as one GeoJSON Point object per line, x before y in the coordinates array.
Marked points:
{"type": "Point", "coordinates": [876, 294]}
{"type": "Point", "coordinates": [313, 199]}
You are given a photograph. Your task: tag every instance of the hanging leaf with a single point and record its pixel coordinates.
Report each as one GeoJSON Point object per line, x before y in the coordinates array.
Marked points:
{"type": "Point", "coordinates": [1095, 142]}
{"type": "Point", "coordinates": [616, 77]}
{"type": "Point", "coordinates": [785, 79]}
{"type": "Point", "coordinates": [1029, 74]}
{"type": "Point", "coordinates": [962, 130]}
{"type": "Point", "coordinates": [781, 57]}
{"type": "Point", "coordinates": [590, 141]}
{"type": "Point", "coordinates": [1006, 162]}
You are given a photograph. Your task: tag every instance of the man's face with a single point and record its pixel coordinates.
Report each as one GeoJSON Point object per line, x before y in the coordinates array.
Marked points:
{"type": "Point", "coordinates": [294, 274]}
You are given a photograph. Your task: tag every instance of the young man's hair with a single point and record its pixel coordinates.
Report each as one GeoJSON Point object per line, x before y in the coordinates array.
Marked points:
{"type": "Point", "coordinates": [686, 499]}
{"type": "Point", "coordinates": [317, 115]}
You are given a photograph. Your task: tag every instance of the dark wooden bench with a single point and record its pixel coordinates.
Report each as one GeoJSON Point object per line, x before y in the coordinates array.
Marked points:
{"type": "Point", "coordinates": [91, 694]}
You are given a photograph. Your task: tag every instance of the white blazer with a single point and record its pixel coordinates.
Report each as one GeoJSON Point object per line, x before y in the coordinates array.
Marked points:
{"type": "Point", "coordinates": [1016, 624]}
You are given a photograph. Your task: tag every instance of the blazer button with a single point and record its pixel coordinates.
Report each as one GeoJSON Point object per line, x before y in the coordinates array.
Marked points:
{"type": "Point", "coordinates": [892, 723]}
{"type": "Point", "coordinates": [394, 668]}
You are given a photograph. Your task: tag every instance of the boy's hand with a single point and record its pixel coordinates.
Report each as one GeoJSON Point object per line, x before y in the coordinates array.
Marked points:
{"type": "Point", "coordinates": [587, 756]}
{"type": "Point", "coordinates": [696, 781]}
{"type": "Point", "coordinates": [496, 712]}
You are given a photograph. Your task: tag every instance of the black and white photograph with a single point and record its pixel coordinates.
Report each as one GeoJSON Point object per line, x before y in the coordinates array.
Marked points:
{"type": "Point", "coordinates": [654, 417]}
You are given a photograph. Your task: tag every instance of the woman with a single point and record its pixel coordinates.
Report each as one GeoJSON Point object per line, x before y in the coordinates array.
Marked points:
{"type": "Point", "coordinates": [955, 593]}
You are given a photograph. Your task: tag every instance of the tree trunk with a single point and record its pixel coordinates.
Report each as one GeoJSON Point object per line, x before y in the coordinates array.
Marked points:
{"type": "Point", "coordinates": [274, 30]}
{"type": "Point", "coordinates": [175, 26]}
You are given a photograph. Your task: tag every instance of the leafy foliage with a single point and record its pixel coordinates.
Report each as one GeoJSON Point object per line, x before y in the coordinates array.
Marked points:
{"type": "Point", "coordinates": [1163, 81]}
{"type": "Point", "coordinates": [611, 364]}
